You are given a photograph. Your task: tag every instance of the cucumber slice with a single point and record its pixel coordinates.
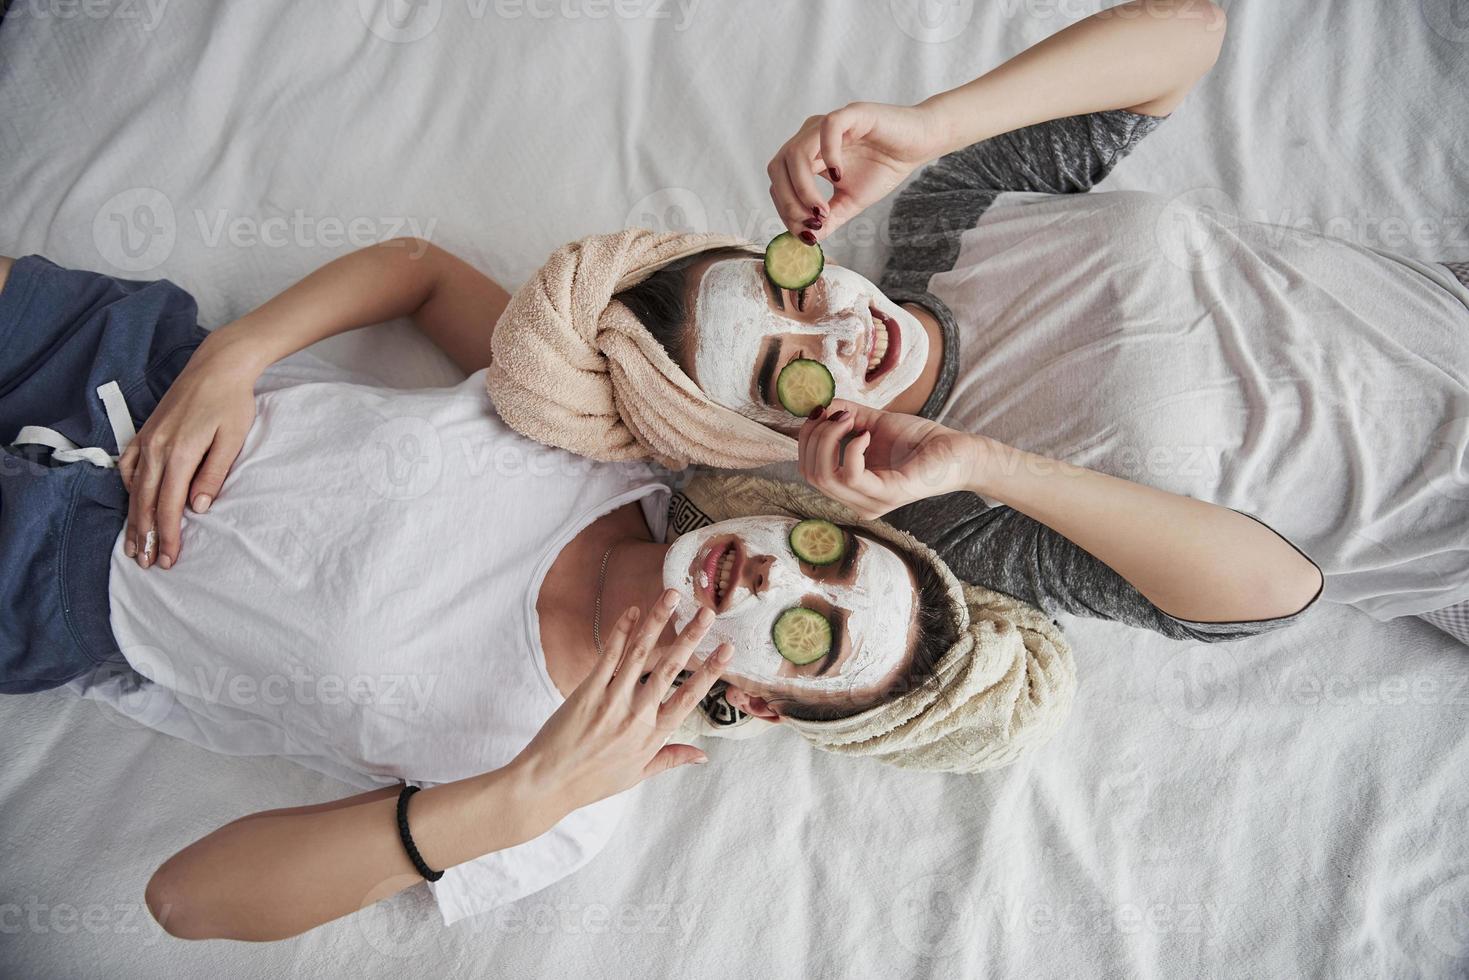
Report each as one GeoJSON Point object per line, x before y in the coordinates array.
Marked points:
{"type": "Point", "coordinates": [818, 542]}
{"type": "Point", "coordinates": [803, 385]}
{"type": "Point", "coordinates": [792, 264]}
{"type": "Point", "coordinates": [802, 635]}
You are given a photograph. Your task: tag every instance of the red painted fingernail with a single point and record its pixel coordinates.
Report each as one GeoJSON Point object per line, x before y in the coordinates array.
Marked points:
{"type": "Point", "coordinates": [812, 223]}
{"type": "Point", "coordinates": [837, 417]}
{"type": "Point", "coordinates": [817, 412]}
{"type": "Point", "coordinates": [818, 212]}
{"type": "Point", "coordinates": [835, 174]}
{"type": "Point", "coordinates": [808, 238]}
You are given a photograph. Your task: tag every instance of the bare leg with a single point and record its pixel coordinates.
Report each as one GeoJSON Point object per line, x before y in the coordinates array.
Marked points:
{"type": "Point", "coordinates": [5, 263]}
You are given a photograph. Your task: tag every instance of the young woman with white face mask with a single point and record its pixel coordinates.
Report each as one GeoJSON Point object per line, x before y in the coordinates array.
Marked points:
{"type": "Point", "coordinates": [392, 588]}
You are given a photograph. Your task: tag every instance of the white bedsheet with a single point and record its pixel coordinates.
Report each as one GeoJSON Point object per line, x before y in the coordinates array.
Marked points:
{"type": "Point", "coordinates": [1295, 804]}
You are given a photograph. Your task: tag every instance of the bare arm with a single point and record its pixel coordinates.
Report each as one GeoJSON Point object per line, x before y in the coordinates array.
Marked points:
{"type": "Point", "coordinates": [453, 303]}
{"type": "Point", "coordinates": [279, 873]}
{"type": "Point", "coordinates": [1191, 559]}
{"type": "Point", "coordinates": [276, 874]}
{"type": "Point", "coordinates": [1144, 56]}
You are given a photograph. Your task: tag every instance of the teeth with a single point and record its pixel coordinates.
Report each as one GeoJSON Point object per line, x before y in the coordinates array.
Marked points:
{"type": "Point", "coordinates": [725, 565]}
{"type": "Point", "coordinates": [879, 344]}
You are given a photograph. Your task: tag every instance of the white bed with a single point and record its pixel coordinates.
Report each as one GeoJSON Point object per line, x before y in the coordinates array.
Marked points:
{"type": "Point", "coordinates": [1291, 805]}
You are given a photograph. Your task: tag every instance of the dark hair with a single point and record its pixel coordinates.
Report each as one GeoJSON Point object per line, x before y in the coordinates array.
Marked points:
{"type": "Point", "coordinates": [936, 634]}
{"type": "Point", "coordinates": [660, 302]}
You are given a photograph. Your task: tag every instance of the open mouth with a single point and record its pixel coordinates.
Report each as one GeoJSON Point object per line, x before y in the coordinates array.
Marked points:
{"type": "Point", "coordinates": [718, 573]}
{"type": "Point", "coordinates": [887, 342]}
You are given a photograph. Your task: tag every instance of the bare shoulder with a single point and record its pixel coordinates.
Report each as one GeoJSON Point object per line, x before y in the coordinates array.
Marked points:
{"type": "Point", "coordinates": [5, 263]}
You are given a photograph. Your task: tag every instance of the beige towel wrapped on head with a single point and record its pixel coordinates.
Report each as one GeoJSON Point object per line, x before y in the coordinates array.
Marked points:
{"type": "Point", "coordinates": [573, 368]}
{"type": "Point", "coordinates": [1004, 686]}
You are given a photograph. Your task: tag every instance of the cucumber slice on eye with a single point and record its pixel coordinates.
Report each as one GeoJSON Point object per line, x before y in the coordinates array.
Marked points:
{"type": "Point", "coordinates": [802, 635]}
{"type": "Point", "coordinates": [792, 264]}
{"type": "Point", "coordinates": [818, 542]}
{"type": "Point", "coordinates": [803, 385]}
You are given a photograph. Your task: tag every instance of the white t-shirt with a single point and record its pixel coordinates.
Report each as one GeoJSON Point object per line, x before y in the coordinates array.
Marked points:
{"type": "Point", "coordinates": [361, 599]}
{"type": "Point", "coordinates": [1319, 385]}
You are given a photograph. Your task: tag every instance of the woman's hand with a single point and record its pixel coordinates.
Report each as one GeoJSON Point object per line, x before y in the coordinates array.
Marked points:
{"type": "Point", "coordinates": [183, 453]}
{"type": "Point", "coordinates": [874, 461]}
{"type": "Point", "coordinates": [864, 149]}
{"type": "Point", "coordinates": [610, 734]}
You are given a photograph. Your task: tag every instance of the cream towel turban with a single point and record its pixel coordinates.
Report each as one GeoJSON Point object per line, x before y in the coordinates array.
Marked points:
{"type": "Point", "coordinates": [573, 368]}
{"type": "Point", "coordinates": [1005, 685]}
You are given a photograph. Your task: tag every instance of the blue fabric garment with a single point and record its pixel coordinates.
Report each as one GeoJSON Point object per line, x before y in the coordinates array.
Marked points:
{"type": "Point", "coordinates": [64, 333]}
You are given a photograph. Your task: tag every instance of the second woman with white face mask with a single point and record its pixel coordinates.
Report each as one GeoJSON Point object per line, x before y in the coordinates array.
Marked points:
{"type": "Point", "coordinates": [746, 571]}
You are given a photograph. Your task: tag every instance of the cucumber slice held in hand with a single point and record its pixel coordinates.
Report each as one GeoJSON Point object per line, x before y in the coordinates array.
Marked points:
{"type": "Point", "coordinates": [802, 635]}
{"type": "Point", "coordinates": [792, 264]}
{"type": "Point", "coordinates": [818, 542]}
{"type": "Point", "coordinates": [804, 385]}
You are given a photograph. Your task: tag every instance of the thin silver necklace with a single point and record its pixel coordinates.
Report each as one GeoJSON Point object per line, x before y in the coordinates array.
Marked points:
{"type": "Point", "coordinates": [597, 603]}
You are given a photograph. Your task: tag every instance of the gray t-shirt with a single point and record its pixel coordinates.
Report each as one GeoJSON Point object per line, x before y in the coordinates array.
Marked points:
{"type": "Point", "coordinates": [999, 547]}
{"type": "Point", "coordinates": [1314, 383]}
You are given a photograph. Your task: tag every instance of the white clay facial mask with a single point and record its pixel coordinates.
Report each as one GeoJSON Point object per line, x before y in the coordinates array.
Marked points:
{"type": "Point", "coordinates": [873, 600]}
{"type": "Point", "coordinates": [874, 348]}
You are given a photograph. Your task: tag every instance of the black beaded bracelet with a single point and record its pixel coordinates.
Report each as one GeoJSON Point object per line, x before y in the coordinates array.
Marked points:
{"type": "Point", "coordinates": [429, 874]}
